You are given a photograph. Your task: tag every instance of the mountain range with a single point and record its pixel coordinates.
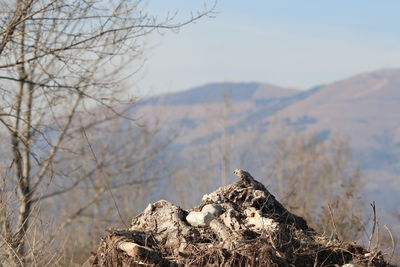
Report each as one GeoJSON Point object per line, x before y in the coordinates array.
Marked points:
{"type": "Point", "coordinates": [364, 108]}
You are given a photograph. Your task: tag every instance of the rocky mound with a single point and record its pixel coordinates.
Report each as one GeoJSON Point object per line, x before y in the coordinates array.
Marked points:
{"type": "Point", "coordinates": [241, 224]}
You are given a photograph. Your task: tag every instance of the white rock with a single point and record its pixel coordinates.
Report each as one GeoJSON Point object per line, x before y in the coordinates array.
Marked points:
{"type": "Point", "coordinates": [199, 219]}
{"type": "Point", "coordinates": [212, 197]}
{"type": "Point", "coordinates": [255, 220]}
{"type": "Point", "coordinates": [148, 208]}
{"type": "Point", "coordinates": [214, 209]}
{"type": "Point", "coordinates": [349, 265]}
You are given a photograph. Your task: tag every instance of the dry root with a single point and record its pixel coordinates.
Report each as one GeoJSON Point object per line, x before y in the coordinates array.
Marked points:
{"type": "Point", "coordinates": [254, 229]}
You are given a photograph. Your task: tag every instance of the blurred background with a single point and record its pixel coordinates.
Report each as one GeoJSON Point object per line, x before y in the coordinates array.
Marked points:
{"type": "Point", "coordinates": [290, 43]}
{"type": "Point", "coordinates": [137, 101]}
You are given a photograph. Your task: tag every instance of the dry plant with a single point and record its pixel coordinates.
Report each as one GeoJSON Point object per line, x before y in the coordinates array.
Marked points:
{"type": "Point", "coordinates": [316, 179]}
{"type": "Point", "coordinates": [61, 61]}
{"type": "Point", "coordinates": [382, 239]}
{"type": "Point", "coordinates": [207, 165]}
{"type": "Point", "coordinates": [128, 162]}
{"type": "Point", "coordinates": [252, 228]}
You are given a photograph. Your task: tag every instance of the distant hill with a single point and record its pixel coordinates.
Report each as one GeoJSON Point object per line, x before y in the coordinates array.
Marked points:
{"type": "Point", "coordinates": [365, 108]}
{"type": "Point", "coordinates": [217, 92]}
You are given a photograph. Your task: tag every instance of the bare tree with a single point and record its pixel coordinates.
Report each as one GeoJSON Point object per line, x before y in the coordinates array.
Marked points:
{"type": "Point", "coordinates": [206, 166]}
{"type": "Point", "coordinates": [119, 183]}
{"type": "Point", "coordinates": [59, 59]}
{"type": "Point", "coordinates": [316, 179]}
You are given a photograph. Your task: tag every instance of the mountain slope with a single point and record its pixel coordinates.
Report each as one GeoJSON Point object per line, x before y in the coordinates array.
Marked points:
{"type": "Point", "coordinates": [365, 108]}
{"type": "Point", "coordinates": [217, 92]}
{"type": "Point", "coordinates": [197, 112]}
{"type": "Point", "coordinates": [233, 116]}
{"type": "Point", "coordinates": [356, 106]}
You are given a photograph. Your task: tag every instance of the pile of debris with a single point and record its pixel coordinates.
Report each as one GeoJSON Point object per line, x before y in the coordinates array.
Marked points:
{"type": "Point", "coordinates": [241, 224]}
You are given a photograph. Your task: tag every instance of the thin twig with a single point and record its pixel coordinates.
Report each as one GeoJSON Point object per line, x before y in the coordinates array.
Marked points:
{"type": "Point", "coordinates": [104, 176]}
{"type": "Point", "coordinates": [374, 224]}
{"type": "Point", "coordinates": [393, 242]}
{"type": "Point", "coordinates": [13, 250]}
{"type": "Point", "coordinates": [333, 221]}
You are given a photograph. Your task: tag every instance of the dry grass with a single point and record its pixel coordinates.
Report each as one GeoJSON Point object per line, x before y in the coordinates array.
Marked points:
{"type": "Point", "coordinates": [291, 243]}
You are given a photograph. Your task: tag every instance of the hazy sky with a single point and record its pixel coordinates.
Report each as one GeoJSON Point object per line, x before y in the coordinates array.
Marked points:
{"type": "Point", "coordinates": [292, 43]}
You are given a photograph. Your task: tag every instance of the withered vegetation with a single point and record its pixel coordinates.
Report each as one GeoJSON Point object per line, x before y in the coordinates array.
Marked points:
{"type": "Point", "coordinates": [254, 230]}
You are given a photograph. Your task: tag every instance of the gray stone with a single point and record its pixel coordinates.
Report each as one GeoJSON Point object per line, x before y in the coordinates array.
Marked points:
{"type": "Point", "coordinates": [199, 219]}
{"type": "Point", "coordinates": [214, 209]}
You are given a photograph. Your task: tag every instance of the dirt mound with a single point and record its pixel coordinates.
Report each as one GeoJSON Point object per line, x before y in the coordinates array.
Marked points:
{"type": "Point", "coordinates": [241, 224]}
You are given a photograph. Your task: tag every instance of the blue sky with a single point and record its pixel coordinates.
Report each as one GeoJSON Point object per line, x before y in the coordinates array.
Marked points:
{"type": "Point", "coordinates": [285, 42]}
